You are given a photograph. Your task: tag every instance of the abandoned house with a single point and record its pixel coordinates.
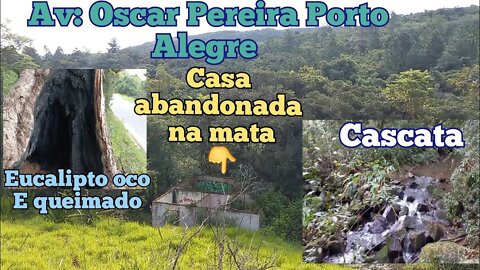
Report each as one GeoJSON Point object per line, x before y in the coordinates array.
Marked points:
{"type": "Point", "coordinates": [204, 198]}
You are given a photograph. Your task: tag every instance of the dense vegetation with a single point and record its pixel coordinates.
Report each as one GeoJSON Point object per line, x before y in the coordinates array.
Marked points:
{"type": "Point", "coordinates": [357, 179]}
{"type": "Point", "coordinates": [129, 157]}
{"type": "Point", "coordinates": [343, 72]}
{"type": "Point", "coordinates": [422, 65]}
{"type": "Point", "coordinates": [463, 201]}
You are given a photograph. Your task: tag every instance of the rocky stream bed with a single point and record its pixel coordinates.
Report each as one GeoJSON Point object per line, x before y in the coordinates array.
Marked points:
{"type": "Point", "coordinates": [401, 232]}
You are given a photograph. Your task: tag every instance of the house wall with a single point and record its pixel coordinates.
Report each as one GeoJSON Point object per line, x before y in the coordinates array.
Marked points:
{"type": "Point", "coordinates": [215, 179]}
{"type": "Point", "coordinates": [189, 197]}
{"type": "Point", "coordinates": [160, 212]}
{"type": "Point", "coordinates": [189, 216]}
{"type": "Point", "coordinates": [166, 198]}
{"type": "Point", "coordinates": [249, 221]}
{"type": "Point", "coordinates": [213, 200]}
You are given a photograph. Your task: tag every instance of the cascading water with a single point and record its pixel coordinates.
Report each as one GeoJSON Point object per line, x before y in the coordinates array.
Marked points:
{"type": "Point", "coordinates": [413, 219]}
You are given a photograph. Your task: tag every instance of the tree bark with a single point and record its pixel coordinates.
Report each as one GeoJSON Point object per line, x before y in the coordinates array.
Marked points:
{"type": "Point", "coordinates": [56, 120]}
{"type": "Point", "coordinates": [18, 118]}
{"type": "Point", "coordinates": [109, 164]}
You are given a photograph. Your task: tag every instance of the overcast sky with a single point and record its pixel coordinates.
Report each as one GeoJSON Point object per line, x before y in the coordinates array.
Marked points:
{"type": "Point", "coordinates": [96, 38]}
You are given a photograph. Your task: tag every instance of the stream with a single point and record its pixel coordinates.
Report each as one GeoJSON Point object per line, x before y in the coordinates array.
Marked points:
{"type": "Point", "coordinates": [395, 235]}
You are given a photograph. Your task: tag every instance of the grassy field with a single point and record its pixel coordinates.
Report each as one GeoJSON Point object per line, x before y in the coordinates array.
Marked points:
{"type": "Point", "coordinates": [38, 243]}
{"type": "Point", "coordinates": [129, 156]}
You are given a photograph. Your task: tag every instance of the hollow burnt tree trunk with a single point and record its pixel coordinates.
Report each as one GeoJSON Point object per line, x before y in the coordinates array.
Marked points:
{"type": "Point", "coordinates": [69, 127]}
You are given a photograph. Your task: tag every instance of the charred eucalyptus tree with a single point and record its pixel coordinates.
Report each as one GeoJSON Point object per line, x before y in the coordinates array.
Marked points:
{"type": "Point", "coordinates": [59, 122]}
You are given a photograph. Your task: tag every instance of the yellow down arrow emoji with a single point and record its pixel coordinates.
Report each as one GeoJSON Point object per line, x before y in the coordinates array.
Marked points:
{"type": "Point", "coordinates": [221, 155]}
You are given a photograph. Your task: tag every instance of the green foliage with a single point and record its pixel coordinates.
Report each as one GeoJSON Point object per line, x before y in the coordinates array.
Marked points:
{"type": "Point", "coordinates": [111, 76]}
{"type": "Point", "coordinates": [411, 92]}
{"type": "Point", "coordinates": [128, 85]}
{"type": "Point", "coordinates": [171, 163]}
{"type": "Point", "coordinates": [129, 156]}
{"type": "Point", "coordinates": [279, 215]}
{"type": "Point", "coordinates": [11, 48]}
{"type": "Point", "coordinates": [9, 78]}
{"type": "Point", "coordinates": [467, 178]}
{"type": "Point", "coordinates": [7, 211]}
{"type": "Point", "coordinates": [335, 72]}
{"type": "Point", "coordinates": [287, 223]}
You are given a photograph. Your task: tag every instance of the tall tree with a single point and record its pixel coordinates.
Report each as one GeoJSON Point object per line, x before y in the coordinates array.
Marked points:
{"type": "Point", "coordinates": [113, 46]}
{"type": "Point", "coordinates": [435, 47]}
{"type": "Point", "coordinates": [398, 47]}
{"type": "Point", "coordinates": [410, 92]}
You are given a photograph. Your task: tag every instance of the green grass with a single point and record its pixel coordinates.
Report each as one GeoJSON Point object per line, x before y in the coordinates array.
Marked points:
{"type": "Point", "coordinates": [38, 243]}
{"type": "Point", "coordinates": [129, 156]}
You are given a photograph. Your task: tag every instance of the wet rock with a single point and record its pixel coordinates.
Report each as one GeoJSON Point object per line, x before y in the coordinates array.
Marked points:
{"type": "Point", "coordinates": [396, 182]}
{"type": "Point", "coordinates": [404, 211]}
{"type": "Point", "coordinates": [333, 238]}
{"type": "Point", "coordinates": [410, 222]}
{"type": "Point", "coordinates": [319, 255]}
{"type": "Point", "coordinates": [417, 240]}
{"type": "Point", "coordinates": [440, 214]}
{"type": "Point", "coordinates": [378, 225]}
{"type": "Point", "coordinates": [400, 234]}
{"type": "Point", "coordinates": [423, 208]}
{"type": "Point", "coordinates": [410, 199]}
{"type": "Point", "coordinates": [381, 256]}
{"type": "Point", "coordinates": [351, 222]}
{"type": "Point", "coordinates": [390, 214]}
{"type": "Point", "coordinates": [413, 185]}
{"type": "Point", "coordinates": [435, 232]}
{"type": "Point", "coordinates": [316, 243]}
{"type": "Point", "coordinates": [401, 194]}
{"type": "Point", "coordinates": [399, 260]}
{"type": "Point", "coordinates": [335, 247]}
{"type": "Point", "coordinates": [443, 252]}
{"type": "Point", "coordinates": [394, 249]}
{"type": "Point", "coordinates": [397, 207]}
{"type": "Point", "coordinates": [396, 191]}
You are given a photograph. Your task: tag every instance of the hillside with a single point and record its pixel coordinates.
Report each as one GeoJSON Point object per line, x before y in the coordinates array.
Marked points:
{"type": "Point", "coordinates": [38, 243]}
{"type": "Point", "coordinates": [257, 35]}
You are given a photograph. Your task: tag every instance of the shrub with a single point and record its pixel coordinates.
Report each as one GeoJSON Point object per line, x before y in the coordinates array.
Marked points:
{"type": "Point", "coordinates": [466, 177]}
{"type": "Point", "coordinates": [280, 215]}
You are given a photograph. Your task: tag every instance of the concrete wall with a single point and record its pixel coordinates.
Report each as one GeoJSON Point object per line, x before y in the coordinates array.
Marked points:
{"type": "Point", "coordinates": [166, 198]}
{"type": "Point", "coordinates": [160, 213]}
{"type": "Point", "coordinates": [213, 200]}
{"type": "Point", "coordinates": [215, 179]}
{"type": "Point", "coordinates": [189, 216]}
{"type": "Point", "coordinates": [249, 221]}
{"type": "Point", "coordinates": [189, 197]}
